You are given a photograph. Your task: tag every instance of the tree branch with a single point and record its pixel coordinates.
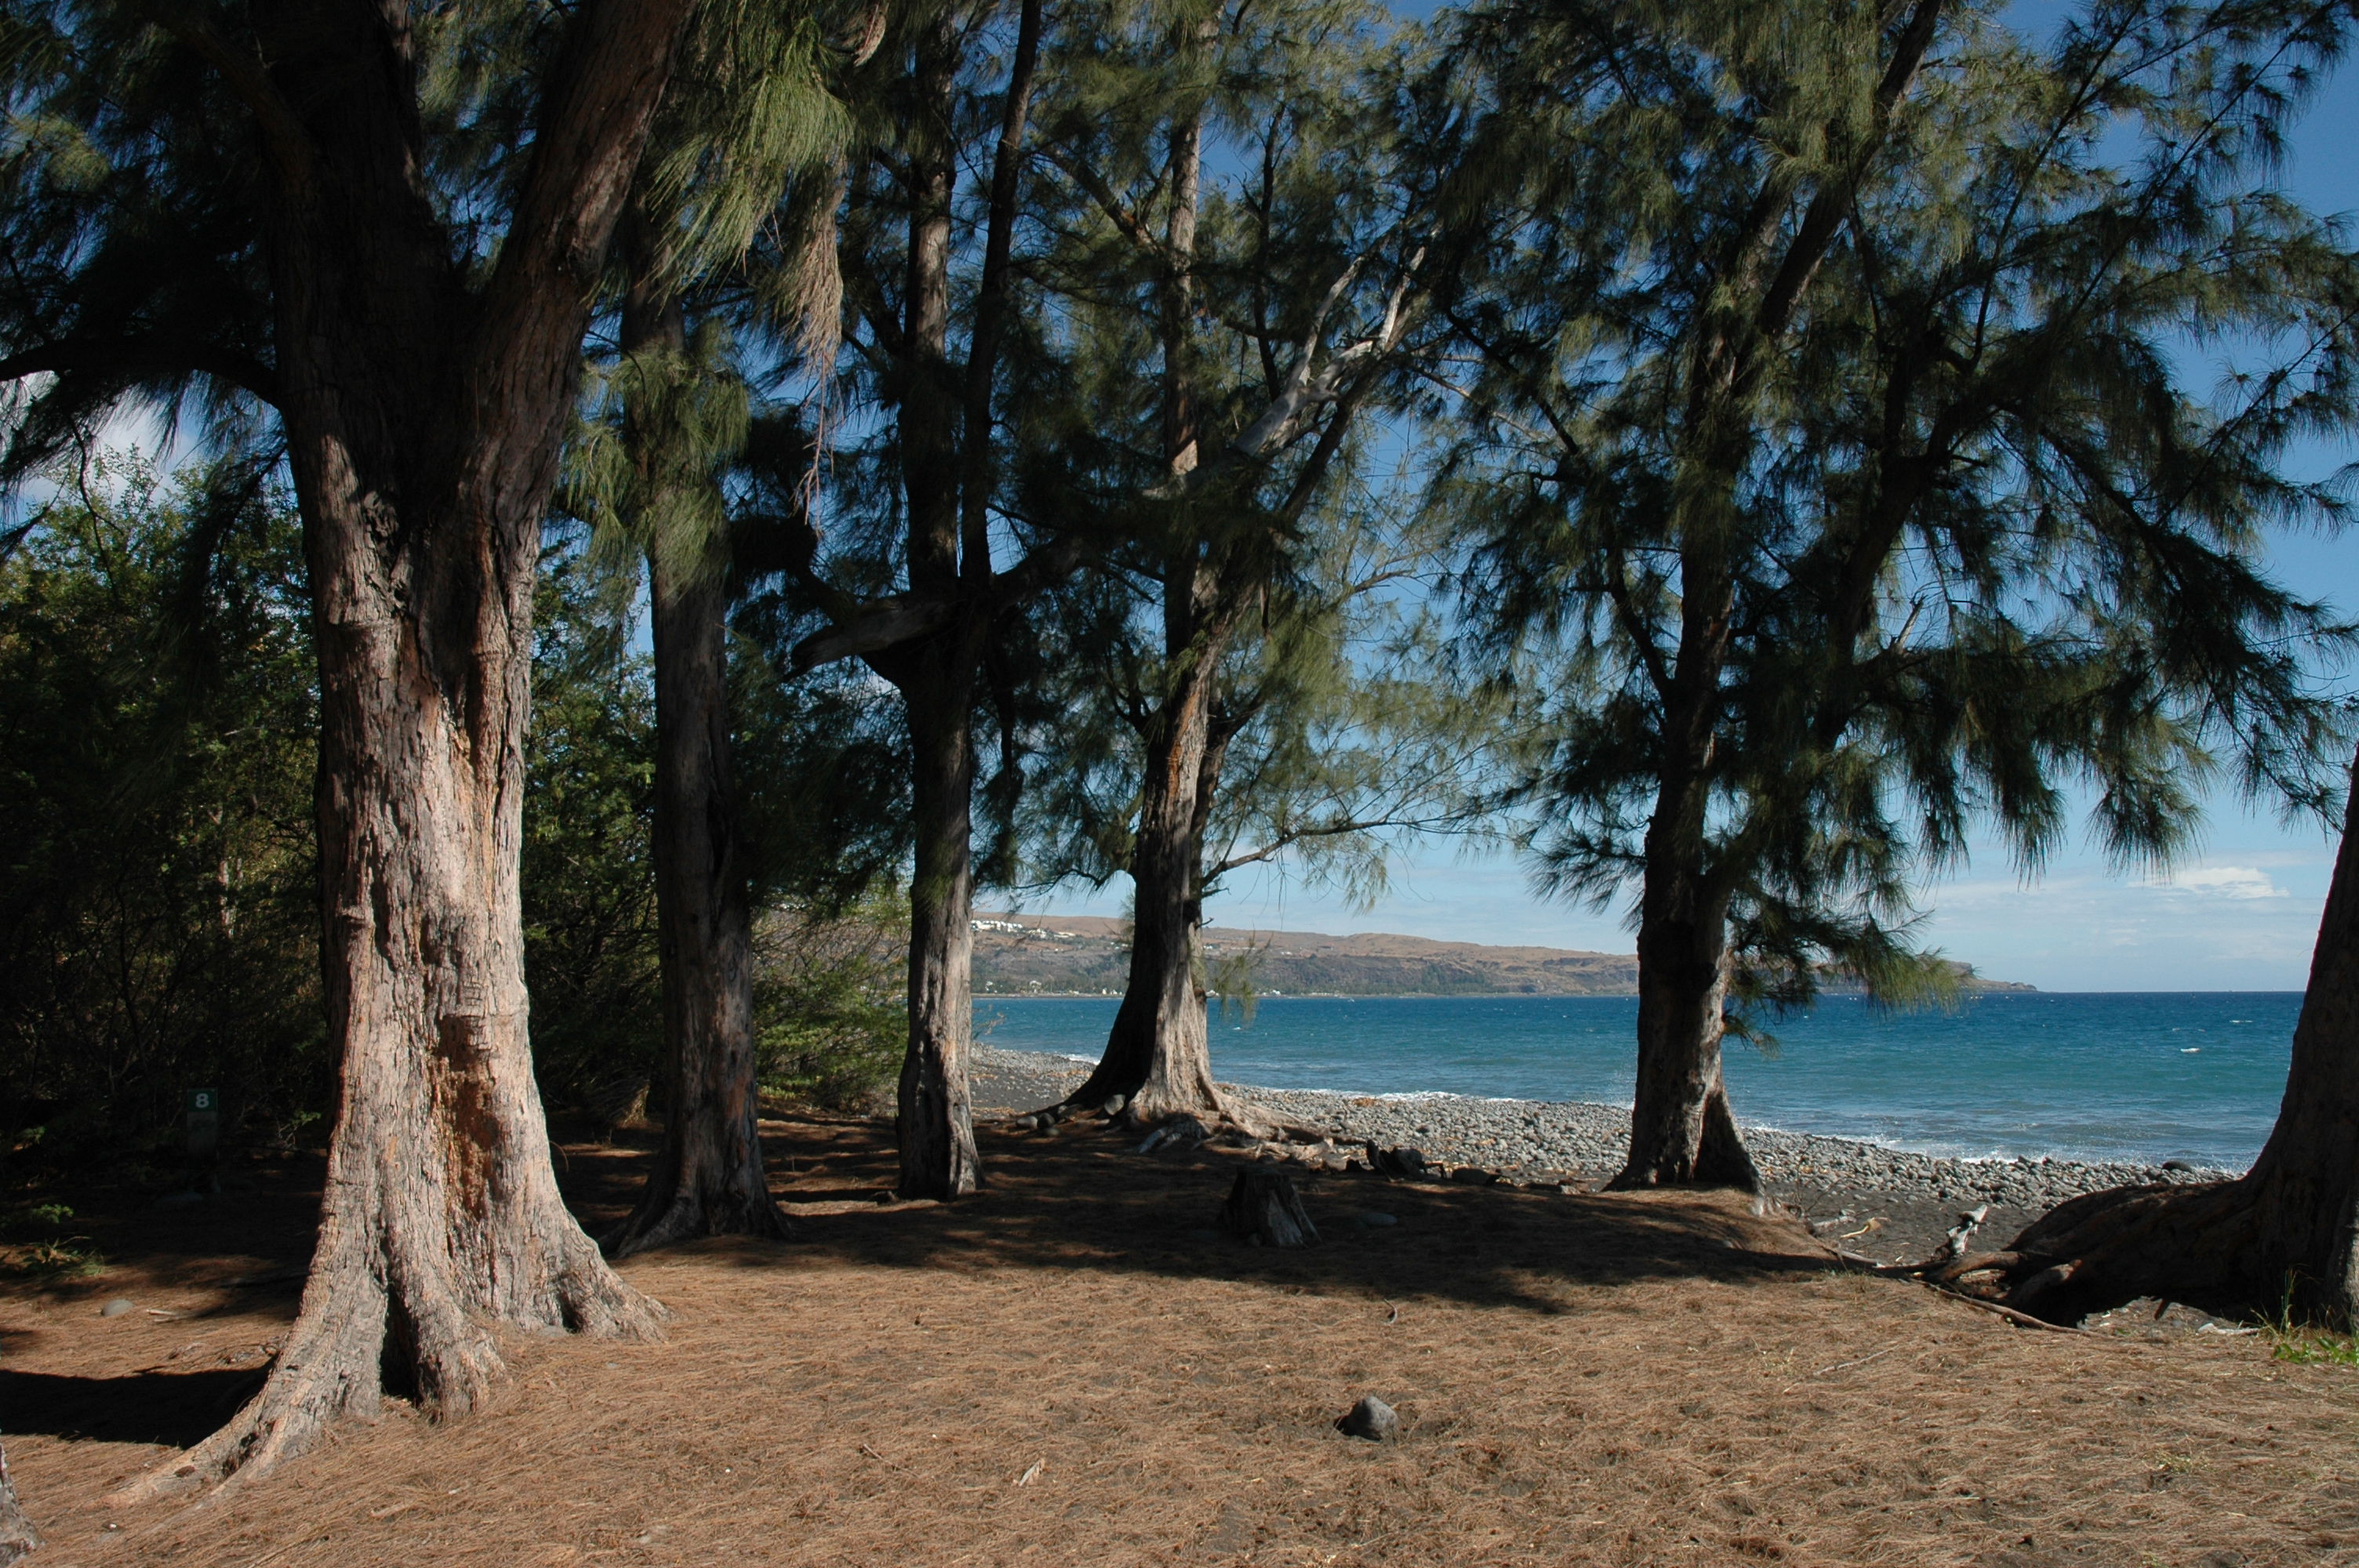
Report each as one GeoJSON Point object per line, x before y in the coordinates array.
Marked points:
{"type": "Point", "coordinates": [290, 148]}
{"type": "Point", "coordinates": [1309, 386]}
{"type": "Point", "coordinates": [1105, 199]}
{"type": "Point", "coordinates": [159, 355]}
{"type": "Point", "coordinates": [991, 300]}
{"type": "Point", "coordinates": [596, 113]}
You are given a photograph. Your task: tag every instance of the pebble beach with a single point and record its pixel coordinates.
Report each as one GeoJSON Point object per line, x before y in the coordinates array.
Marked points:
{"type": "Point", "coordinates": [1885, 1203]}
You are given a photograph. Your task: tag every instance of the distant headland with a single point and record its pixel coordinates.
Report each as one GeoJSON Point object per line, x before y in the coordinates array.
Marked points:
{"type": "Point", "coordinates": [1081, 955]}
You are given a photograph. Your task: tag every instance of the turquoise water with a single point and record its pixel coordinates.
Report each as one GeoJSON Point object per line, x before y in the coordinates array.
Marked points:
{"type": "Point", "coordinates": [2189, 1076]}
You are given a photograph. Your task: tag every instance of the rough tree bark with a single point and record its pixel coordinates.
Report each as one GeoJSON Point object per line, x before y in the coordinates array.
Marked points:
{"type": "Point", "coordinates": [2283, 1238]}
{"type": "Point", "coordinates": [1158, 1054]}
{"type": "Point", "coordinates": [18, 1535]}
{"type": "Point", "coordinates": [708, 1178]}
{"type": "Point", "coordinates": [423, 419]}
{"type": "Point", "coordinates": [1681, 1132]}
{"type": "Point", "coordinates": [939, 1159]}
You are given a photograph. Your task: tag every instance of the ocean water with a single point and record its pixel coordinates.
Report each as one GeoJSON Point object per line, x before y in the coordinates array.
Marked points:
{"type": "Point", "coordinates": [2145, 1077]}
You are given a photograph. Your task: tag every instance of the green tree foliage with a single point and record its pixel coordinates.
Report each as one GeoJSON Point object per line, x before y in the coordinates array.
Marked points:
{"type": "Point", "coordinates": [821, 762]}
{"type": "Point", "coordinates": [1334, 734]}
{"type": "Point", "coordinates": [828, 1001]}
{"type": "Point", "coordinates": [589, 882]}
{"type": "Point", "coordinates": [158, 921]}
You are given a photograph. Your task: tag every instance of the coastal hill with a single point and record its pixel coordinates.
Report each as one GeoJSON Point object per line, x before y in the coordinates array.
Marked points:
{"type": "Point", "coordinates": [1075, 955]}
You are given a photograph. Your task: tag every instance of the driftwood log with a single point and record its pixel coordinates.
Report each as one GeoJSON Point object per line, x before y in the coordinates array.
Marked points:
{"type": "Point", "coordinates": [1265, 1210]}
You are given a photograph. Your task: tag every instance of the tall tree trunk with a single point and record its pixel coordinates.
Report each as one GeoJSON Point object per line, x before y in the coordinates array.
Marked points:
{"type": "Point", "coordinates": [1680, 1129]}
{"type": "Point", "coordinates": [18, 1535]}
{"type": "Point", "coordinates": [708, 1178]}
{"type": "Point", "coordinates": [937, 675]}
{"type": "Point", "coordinates": [1158, 1055]}
{"type": "Point", "coordinates": [936, 1117]}
{"type": "Point", "coordinates": [423, 421]}
{"type": "Point", "coordinates": [2284, 1237]}
{"type": "Point", "coordinates": [1681, 1133]}
{"type": "Point", "coordinates": [442, 1216]}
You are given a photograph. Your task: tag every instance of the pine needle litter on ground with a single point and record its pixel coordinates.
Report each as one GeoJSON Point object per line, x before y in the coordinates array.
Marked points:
{"type": "Point", "coordinates": [1077, 1366]}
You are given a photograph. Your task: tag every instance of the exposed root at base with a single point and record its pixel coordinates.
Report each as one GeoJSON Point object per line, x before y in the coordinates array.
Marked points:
{"type": "Point", "coordinates": [331, 1370]}
{"type": "Point", "coordinates": [689, 1219]}
{"type": "Point", "coordinates": [1226, 1125]}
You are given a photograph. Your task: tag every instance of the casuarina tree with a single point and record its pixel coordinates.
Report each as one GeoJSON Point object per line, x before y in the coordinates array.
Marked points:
{"type": "Point", "coordinates": [430, 243]}
{"type": "Point", "coordinates": [1835, 433]}
{"type": "Point", "coordinates": [752, 114]}
{"type": "Point", "coordinates": [1195, 309]}
{"type": "Point", "coordinates": [944, 467]}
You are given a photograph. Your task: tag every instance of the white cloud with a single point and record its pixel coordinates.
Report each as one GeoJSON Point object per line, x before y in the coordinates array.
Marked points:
{"type": "Point", "coordinates": [2222, 882]}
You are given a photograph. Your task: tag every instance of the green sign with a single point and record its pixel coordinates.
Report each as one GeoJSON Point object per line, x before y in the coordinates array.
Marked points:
{"type": "Point", "coordinates": [204, 1123]}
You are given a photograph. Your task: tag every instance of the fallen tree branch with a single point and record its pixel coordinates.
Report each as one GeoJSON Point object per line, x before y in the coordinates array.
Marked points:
{"type": "Point", "coordinates": [2020, 1319]}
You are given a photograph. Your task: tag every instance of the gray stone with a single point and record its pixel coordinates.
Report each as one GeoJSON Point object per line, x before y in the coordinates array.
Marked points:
{"type": "Point", "coordinates": [116, 1307]}
{"type": "Point", "coordinates": [1114, 1104]}
{"type": "Point", "coordinates": [1372, 1419]}
{"type": "Point", "coordinates": [1374, 1221]}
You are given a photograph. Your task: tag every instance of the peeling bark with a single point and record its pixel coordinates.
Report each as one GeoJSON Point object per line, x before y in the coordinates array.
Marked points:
{"type": "Point", "coordinates": [423, 421]}
{"type": "Point", "coordinates": [18, 1535]}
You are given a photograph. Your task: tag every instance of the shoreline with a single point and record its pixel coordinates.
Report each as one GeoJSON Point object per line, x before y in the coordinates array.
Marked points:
{"type": "Point", "coordinates": [1905, 1201]}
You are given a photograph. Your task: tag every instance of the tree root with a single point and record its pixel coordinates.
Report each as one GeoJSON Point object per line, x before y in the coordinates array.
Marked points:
{"type": "Point", "coordinates": [2212, 1246]}
{"type": "Point", "coordinates": [365, 1313]}
{"type": "Point", "coordinates": [691, 1216]}
{"type": "Point", "coordinates": [2021, 1319]}
{"type": "Point", "coordinates": [1224, 1120]}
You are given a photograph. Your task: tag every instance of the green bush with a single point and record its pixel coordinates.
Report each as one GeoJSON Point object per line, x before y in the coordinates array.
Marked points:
{"type": "Point", "coordinates": [829, 1003]}
{"type": "Point", "coordinates": [158, 915]}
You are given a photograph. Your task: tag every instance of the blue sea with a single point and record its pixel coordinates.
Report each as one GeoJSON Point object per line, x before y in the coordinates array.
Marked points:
{"type": "Point", "coordinates": [2108, 1076]}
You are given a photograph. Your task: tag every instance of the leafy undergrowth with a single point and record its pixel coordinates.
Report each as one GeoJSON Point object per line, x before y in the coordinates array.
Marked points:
{"type": "Point", "coordinates": [2304, 1349]}
{"type": "Point", "coordinates": [38, 1242]}
{"type": "Point", "coordinates": [1073, 1368]}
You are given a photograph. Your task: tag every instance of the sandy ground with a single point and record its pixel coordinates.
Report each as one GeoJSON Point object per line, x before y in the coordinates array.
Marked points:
{"type": "Point", "coordinates": [1074, 1368]}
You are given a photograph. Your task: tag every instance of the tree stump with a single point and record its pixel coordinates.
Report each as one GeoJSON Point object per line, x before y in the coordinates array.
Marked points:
{"type": "Point", "coordinates": [1265, 1210]}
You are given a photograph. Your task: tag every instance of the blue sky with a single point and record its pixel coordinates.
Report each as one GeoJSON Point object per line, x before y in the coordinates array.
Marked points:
{"type": "Point", "coordinates": [2239, 914]}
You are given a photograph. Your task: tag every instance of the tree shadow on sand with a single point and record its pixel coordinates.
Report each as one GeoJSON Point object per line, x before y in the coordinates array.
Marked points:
{"type": "Point", "coordinates": [1085, 1200]}
{"type": "Point", "coordinates": [174, 1409]}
